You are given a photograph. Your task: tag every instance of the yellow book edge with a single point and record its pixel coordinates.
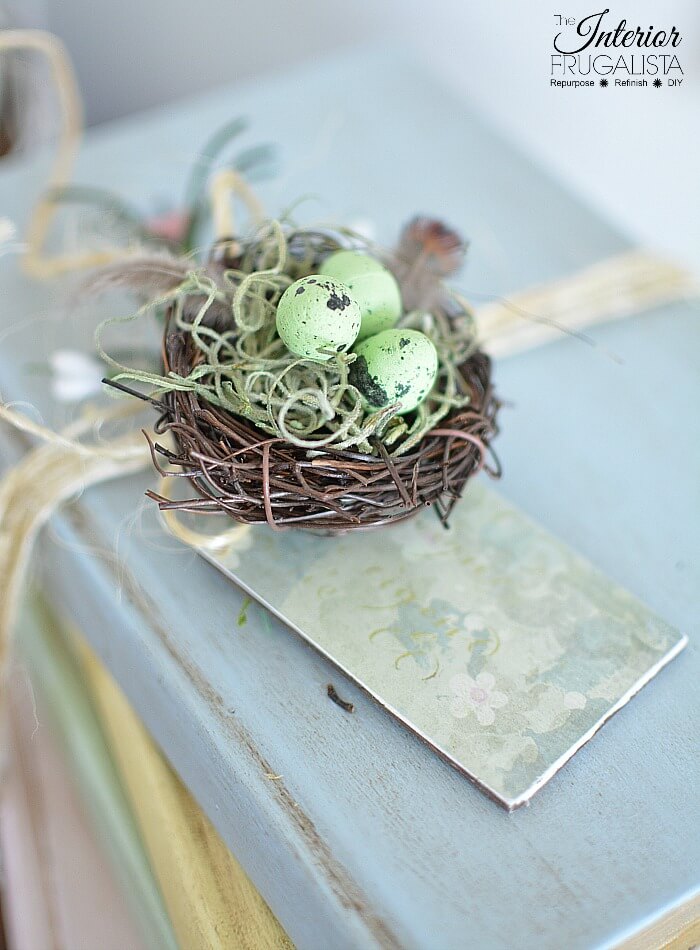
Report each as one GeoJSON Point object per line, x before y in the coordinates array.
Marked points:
{"type": "Point", "coordinates": [679, 929]}
{"type": "Point", "coordinates": [210, 899]}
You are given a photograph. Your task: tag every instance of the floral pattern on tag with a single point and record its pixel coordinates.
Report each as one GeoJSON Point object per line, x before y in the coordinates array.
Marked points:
{"type": "Point", "coordinates": [493, 641]}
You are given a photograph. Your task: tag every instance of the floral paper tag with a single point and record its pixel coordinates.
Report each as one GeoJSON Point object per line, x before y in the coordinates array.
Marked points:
{"type": "Point", "coordinates": [493, 641]}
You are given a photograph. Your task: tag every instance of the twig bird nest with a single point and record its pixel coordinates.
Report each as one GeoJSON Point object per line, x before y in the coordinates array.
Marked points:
{"type": "Point", "coordinates": [273, 422]}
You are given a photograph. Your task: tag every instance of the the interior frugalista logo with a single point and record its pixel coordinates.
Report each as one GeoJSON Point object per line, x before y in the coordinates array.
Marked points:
{"type": "Point", "coordinates": [600, 50]}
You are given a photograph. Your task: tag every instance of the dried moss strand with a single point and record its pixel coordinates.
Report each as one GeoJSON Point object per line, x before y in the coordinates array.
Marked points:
{"type": "Point", "coordinates": [244, 368]}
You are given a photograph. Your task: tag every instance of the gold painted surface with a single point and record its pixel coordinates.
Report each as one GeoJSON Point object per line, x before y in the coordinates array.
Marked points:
{"type": "Point", "coordinates": [677, 930]}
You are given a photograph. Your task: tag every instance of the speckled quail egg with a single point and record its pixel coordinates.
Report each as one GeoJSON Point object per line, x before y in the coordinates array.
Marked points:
{"type": "Point", "coordinates": [371, 284]}
{"type": "Point", "coordinates": [395, 366]}
{"type": "Point", "coordinates": [317, 317]}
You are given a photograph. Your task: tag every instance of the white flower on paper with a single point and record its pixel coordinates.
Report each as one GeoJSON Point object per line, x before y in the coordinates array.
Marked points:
{"type": "Point", "coordinates": [476, 696]}
{"type": "Point", "coordinates": [74, 375]}
{"type": "Point", "coordinates": [8, 230]}
{"type": "Point", "coordinates": [474, 623]}
{"type": "Point", "coordinates": [8, 238]}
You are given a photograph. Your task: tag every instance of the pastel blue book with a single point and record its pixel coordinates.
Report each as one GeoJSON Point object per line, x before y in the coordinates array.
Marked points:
{"type": "Point", "coordinates": [491, 640]}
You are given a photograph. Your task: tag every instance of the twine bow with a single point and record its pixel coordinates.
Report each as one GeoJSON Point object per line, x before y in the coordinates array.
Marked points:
{"type": "Point", "coordinates": [66, 463]}
{"type": "Point", "coordinates": [60, 468]}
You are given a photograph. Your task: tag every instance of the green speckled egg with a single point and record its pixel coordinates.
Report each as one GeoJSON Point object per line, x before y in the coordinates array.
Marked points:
{"type": "Point", "coordinates": [317, 316]}
{"type": "Point", "coordinates": [396, 366]}
{"type": "Point", "coordinates": [372, 286]}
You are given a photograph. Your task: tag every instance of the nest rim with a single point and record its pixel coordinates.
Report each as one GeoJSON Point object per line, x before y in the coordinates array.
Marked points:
{"type": "Point", "coordinates": [254, 477]}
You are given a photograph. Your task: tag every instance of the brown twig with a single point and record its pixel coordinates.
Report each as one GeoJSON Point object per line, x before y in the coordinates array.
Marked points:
{"type": "Point", "coordinates": [343, 703]}
{"type": "Point", "coordinates": [258, 480]}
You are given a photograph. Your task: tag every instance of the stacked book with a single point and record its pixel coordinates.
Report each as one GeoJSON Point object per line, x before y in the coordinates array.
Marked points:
{"type": "Point", "coordinates": [103, 844]}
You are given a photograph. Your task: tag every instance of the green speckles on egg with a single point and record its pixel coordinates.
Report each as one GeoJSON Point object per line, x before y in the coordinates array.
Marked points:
{"type": "Point", "coordinates": [395, 366]}
{"type": "Point", "coordinates": [371, 284]}
{"type": "Point", "coordinates": [317, 317]}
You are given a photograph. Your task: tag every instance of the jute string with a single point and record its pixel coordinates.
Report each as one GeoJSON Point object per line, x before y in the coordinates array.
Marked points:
{"type": "Point", "coordinates": [616, 287]}
{"type": "Point", "coordinates": [70, 106]}
{"type": "Point", "coordinates": [67, 463]}
{"type": "Point", "coordinates": [60, 468]}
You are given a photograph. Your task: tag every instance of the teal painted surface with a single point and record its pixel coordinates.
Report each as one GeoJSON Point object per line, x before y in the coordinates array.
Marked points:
{"type": "Point", "coordinates": [367, 839]}
{"type": "Point", "coordinates": [492, 641]}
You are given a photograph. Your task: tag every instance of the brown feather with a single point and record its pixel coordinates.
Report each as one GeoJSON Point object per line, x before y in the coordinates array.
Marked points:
{"type": "Point", "coordinates": [428, 251]}
{"type": "Point", "coordinates": [150, 275]}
